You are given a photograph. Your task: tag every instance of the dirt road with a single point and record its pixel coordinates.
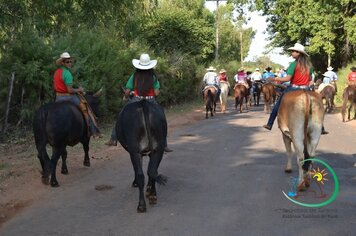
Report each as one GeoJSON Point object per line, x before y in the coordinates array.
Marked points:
{"type": "Point", "coordinates": [225, 178]}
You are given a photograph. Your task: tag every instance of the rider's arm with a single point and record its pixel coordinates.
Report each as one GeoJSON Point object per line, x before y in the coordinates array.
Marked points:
{"type": "Point", "coordinates": [68, 81]}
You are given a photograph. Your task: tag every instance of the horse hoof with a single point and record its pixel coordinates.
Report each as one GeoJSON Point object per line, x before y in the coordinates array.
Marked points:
{"type": "Point", "coordinates": [86, 163]}
{"type": "Point", "coordinates": [134, 184]}
{"type": "Point", "coordinates": [141, 209]}
{"type": "Point", "coordinates": [45, 180]}
{"type": "Point", "coordinates": [65, 172]}
{"type": "Point", "coordinates": [302, 188]}
{"type": "Point", "coordinates": [54, 184]}
{"type": "Point", "coordinates": [152, 199]}
{"type": "Point", "coordinates": [288, 170]}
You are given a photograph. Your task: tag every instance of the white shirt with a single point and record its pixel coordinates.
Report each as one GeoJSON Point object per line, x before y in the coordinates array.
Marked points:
{"type": "Point", "coordinates": [210, 78]}
{"type": "Point", "coordinates": [256, 76]}
{"type": "Point", "coordinates": [330, 74]}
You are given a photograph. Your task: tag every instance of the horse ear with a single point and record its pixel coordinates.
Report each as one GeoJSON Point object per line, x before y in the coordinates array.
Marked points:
{"type": "Point", "coordinates": [98, 93]}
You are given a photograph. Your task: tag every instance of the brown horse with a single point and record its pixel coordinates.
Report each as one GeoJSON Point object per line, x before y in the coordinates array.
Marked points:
{"type": "Point", "coordinates": [210, 93]}
{"type": "Point", "coordinates": [269, 95]}
{"type": "Point", "coordinates": [349, 95]}
{"type": "Point", "coordinates": [241, 92]}
{"type": "Point", "coordinates": [327, 92]}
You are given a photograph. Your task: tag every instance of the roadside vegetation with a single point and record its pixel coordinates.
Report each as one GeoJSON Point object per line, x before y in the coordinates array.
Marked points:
{"type": "Point", "coordinates": [104, 36]}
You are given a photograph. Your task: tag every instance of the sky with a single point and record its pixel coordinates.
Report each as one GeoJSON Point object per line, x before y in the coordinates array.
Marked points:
{"type": "Point", "coordinates": [258, 45]}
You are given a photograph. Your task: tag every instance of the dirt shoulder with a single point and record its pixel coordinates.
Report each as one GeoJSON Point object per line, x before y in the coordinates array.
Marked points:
{"type": "Point", "coordinates": [20, 178]}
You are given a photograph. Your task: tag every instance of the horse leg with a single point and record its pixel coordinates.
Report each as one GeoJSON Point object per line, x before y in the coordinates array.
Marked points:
{"type": "Point", "coordinates": [152, 172]}
{"type": "Point", "coordinates": [247, 107]}
{"type": "Point", "coordinates": [241, 103]}
{"type": "Point", "coordinates": [140, 178]}
{"type": "Point", "coordinates": [64, 169]}
{"type": "Point", "coordinates": [288, 145]}
{"type": "Point", "coordinates": [85, 144]}
{"type": "Point", "coordinates": [343, 109]}
{"type": "Point", "coordinates": [57, 152]}
{"type": "Point", "coordinates": [236, 102]}
{"type": "Point", "coordinates": [45, 164]}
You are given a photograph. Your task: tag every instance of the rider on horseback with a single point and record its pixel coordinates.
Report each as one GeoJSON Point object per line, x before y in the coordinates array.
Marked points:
{"type": "Point", "coordinates": [211, 79]}
{"type": "Point", "coordinates": [256, 77]}
{"type": "Point", "coordinates": [64, 91]}
{"type": "Point", "coordinates": [241, 78]}
{"type": "Point", "coordinates": [330, 78]}
{"type": "Point", "coordinates": [143, 83]}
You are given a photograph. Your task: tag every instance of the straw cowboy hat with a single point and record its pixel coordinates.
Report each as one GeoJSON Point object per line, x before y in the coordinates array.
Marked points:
{"type": "Point", "coordinates": [222, 71]}
{"type": "Point", "coordinates": [241, 69]}
{"type": "Point", "coordinates": [211, 68]}
{"type": "Point", "coordinates": [299, 48]}
{"type": "Point", "coordinates": [145, 63]}
{"type": "Point", "coordinates": [329, 68]}
{"type": "Point", "coordinates": [62, 57]}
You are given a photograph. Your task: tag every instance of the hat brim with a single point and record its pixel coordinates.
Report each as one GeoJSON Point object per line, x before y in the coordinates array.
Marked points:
{"type": "Point", "coordinates": [298, 50]}
{"type": "Point", "coordinates": [136, 64]}
{"type": "Point", "coordinates": [60, 60]}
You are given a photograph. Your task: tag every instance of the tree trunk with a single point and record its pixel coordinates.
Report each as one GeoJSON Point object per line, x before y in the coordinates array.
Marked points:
{"type": "Point", "coordinates": [4, 127]}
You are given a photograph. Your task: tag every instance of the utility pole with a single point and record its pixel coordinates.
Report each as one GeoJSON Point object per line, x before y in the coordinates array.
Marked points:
{"type": "Point", "coordinates": [241, 48]}
{"type": "Point", "coordinates": [217, 28]}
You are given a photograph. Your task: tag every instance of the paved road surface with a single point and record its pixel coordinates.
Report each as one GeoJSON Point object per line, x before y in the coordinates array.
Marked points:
{"type": "Point", "coordinates": [225, 178]}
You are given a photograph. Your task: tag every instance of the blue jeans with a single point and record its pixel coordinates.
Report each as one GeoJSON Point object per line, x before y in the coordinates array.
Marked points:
{"type": "Point", "coordinates": [274, 112]}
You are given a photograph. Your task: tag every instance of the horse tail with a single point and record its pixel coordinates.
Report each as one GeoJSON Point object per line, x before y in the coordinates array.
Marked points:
{"type": "Point", "coordinates": [145, 109]}
{"type": "Point", "coordinates": [39, 127]}
{"type": "Point", "coordinates": [307, 113]}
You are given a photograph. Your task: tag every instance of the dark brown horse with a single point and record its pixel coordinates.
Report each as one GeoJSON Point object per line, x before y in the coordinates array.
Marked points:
{"type": "Point", "coordinates": [210, 93]}
{"type": "Point", "coordinates": [327, 92]}
{"type": "Point", "coordinates": [257, 89]}
{"type": "Point", "coordinates": [241, 92]}
{"type": "Point", "coordinates": [349, 95]}
{"type": "Point", "coordinates": [269, 95]}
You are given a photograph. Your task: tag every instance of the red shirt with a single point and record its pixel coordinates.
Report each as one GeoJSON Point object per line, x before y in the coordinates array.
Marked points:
{"type": "Point", "coordinates": [352, 77]}
{"type": "Point", "coordinates": [222, 78]}
{"type": "Point", "coordinates": [300, 78]}
{"type": "Point", "coordinates": [58, 81]}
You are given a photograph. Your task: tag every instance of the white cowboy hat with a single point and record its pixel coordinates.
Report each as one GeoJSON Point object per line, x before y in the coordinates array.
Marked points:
{"type": "Point", "coordinates": [299, 48]}
{"type": "Point", "coordinates": [329, 68]}
{"type": "Point", "coordinates": [145, 63]}
{"type": "Point", "coordinates": [62, 57]}
{"type": "Point", "coordinates": [211, 68]}
{"type": "Point", "coordinates": [222, 71]}
{"type": "Point", "coordinates": [257, 69]}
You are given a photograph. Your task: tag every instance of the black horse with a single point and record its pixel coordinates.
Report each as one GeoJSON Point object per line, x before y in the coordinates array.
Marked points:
{"type": "Point", "coordinates": [257, 89]}
{"type": "Point", "coordinates": [142, 130]}
{"type": "Point", "coordinates": [61, 124]}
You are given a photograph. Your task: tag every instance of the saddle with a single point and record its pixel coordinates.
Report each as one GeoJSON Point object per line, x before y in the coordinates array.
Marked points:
{"type": "Point", "coordinates": [244, 84]}
{"type": "Point", "coordinates": [87, 112]}
{"type": "Point", "coordinates": [322, 86]}
{"type": "Point", "coordinates": [210, 86]}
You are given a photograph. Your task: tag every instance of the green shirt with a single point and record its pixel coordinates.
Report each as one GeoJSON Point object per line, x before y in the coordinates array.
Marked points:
{"type": "Point", "coordinates": [67, 76]}
{"type": "Point", "coordinates": [130, 83]}
{"type": "Point", "coordinates": [292, 66]}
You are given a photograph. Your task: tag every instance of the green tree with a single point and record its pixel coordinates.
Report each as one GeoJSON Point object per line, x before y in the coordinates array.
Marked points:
{"type": "Point", "coordinates": [328, 27]}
